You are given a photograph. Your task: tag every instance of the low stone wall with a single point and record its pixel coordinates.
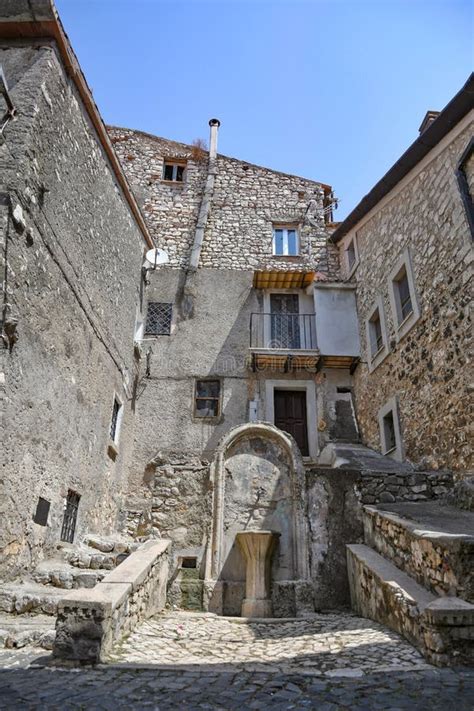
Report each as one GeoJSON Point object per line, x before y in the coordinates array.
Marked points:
{"type": "Point", "coordinates": [90, 621]}
{"type": "Point", "coordinates": [374, 487]}
{"type": "Point", "coordinates": [442, 628]}
{"type": "Point", "coordinates": [441, 562]}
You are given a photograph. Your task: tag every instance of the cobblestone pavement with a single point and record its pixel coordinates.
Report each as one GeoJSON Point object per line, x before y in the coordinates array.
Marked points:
{"type": "Point", "coordinates": [185, 662]}
{"type": "Point", "coordinates": [325, 644]}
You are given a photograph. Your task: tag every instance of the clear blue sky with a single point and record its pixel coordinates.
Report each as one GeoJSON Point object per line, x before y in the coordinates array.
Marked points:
{"type": "Point", "coordinates": [332, 90]}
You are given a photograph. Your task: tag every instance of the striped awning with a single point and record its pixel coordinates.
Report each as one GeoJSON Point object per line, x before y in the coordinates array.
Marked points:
{"type": "Point", "coordinates": [282, 280]}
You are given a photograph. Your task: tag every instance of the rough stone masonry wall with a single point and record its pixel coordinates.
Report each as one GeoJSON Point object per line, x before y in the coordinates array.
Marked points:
{"type": "Point", "coordinates": [247, 200]}
{"type": "Point", "coordinates": [429, 369]}
{"type": "Point", "coordinates": [74, 259]}
{"type": "Point", "coordinates": [90, 621]}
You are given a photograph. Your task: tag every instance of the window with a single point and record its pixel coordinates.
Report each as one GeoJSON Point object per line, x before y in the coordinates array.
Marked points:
{"type": "Point", "coordinates": [115, 421]}
{"type": "Point", "coordinates": [158, 319]}
{"type": "Point", "coordinates": [173, 172]}
{"type": "Point", "coordinates": [207, 398]}
{"type": "Point", "coordinates": [403, 296]}
{"type": "Point", "coordinates": [351, 255]}
{"type": "Point", "coordinates": [285, 242]}
{"type": "Point", "coordinates": [376, 337]}
{"type": "Point", "coordinates": [42, 512]}
{"type": "Point", "coordinates": [390, 432]}
{"type": "Point", "coordinates": [70, 516]}
{"type": "Point", "coordinates": [376, 332]}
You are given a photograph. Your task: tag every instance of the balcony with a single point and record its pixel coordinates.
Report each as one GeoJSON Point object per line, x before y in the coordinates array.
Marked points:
{"type": "Point", "coordinates": [283, 342]}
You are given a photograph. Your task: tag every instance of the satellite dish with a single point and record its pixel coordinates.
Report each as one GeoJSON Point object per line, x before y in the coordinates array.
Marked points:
{"type": "Point", "coordinates": [154, 257]}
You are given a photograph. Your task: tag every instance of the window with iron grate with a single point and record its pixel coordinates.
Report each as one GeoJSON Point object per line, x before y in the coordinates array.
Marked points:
{"type": "Point", "coordinates": [158, 319]}
{"type": "Point", "coordinates": [70, 516]}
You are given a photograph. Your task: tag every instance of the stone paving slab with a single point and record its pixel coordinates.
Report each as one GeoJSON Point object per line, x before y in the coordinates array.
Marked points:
{"type": "Point", "coordinates": [115, 689]}
{"type": "Point", "coordinates": [328, 644]}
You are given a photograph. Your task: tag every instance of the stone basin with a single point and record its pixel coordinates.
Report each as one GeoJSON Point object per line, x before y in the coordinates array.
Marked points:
{"type": "Point", "coordinates": [257, 548]}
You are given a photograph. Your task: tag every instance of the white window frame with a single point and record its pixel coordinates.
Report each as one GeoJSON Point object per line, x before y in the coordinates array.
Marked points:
{"type": "Point", "coordinates": [396, 452]}
{"type": "Point", "coordinates": [311, 408]}
{"type": "Point", "coordinates": [374, 359]}
{"type": "Point", "coordinates": [285, 229]}
{"type": "Point", "coordinates": [402, 326]}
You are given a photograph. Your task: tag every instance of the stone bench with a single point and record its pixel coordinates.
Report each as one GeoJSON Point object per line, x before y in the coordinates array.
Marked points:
{"type": "Point", "coordinates": [91, 620]}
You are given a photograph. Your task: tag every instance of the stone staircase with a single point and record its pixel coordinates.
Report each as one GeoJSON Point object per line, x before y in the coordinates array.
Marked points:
{"type": "Point", "coordinates": [415, 573]}
{"type": "Point", "coordinates": [28, 606]}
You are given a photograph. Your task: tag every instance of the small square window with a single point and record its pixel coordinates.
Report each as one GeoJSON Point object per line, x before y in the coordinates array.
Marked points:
{"type": "Point", "coordinates": [115, 420]}
{"type": "Point", "coordinates": [207, 398]}
{"type": "Point", "coordinates": [158, 319]}
{"type": "Point", "coordinates": [285, 242]}
{"type": "Point", "coordinates": [173, 172]}
{"type": "Point", "coordinates": [42, 512]}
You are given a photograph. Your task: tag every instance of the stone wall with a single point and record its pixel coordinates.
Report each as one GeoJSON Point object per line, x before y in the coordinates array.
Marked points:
{"type": "Point", "coordinates": [247, 200]}
{"type": "Point", "coordinates": [90, 621]}
{"type": "Point", "coordinates": [428, 368]}
{"type": "Point", "coordinates": [74, 256]}
{"type": "Point", "coordinates": [441, 562]}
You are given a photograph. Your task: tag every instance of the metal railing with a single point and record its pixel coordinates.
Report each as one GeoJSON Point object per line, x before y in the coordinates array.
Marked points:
{"type": "Point", "coordinates": [275, 331]}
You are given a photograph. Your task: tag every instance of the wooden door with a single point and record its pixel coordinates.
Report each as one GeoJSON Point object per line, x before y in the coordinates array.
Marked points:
{"type": "Point", "coordinates": [290, 416]}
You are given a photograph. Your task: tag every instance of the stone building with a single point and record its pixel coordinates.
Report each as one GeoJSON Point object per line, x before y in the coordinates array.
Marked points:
{"type": "Point", "coordinates": [72, 248]}
{"type": "Point", "coordinates": [407, 247]}
{"type": "Point", "coordinates": [195, 351]}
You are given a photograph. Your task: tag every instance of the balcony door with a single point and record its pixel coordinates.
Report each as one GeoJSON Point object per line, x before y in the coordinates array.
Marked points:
{"type": "Point", "coordinates": [290, 416]}
{"type": "Point", "coordinates": [284, 319]}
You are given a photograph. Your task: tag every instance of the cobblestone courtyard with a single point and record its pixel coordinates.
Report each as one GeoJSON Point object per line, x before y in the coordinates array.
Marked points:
{"type": "Point", "coordinates": [186, 661]}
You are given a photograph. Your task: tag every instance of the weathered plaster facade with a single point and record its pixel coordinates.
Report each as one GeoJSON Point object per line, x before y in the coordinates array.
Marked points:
{"type": "Point", "coordinates": [73, 255]}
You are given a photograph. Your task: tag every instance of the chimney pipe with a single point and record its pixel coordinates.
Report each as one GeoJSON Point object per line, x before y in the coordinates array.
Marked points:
{"type": "Point", "coordinates": [430, 116]}
{"type": "Point", "coordinates": [214, 124]}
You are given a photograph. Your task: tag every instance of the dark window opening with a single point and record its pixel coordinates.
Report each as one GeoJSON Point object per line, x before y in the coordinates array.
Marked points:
{"type": "Point", "coordinates": [70, 516]}
{"type": "Point", "coordinates": [404, 297]}
{"type": "Point", "coordinates": [376, 337]}
{"type": "Point", "coordinates": [174, 172]}
{"type": "Point", "coordinates": [158, 319]}
{"type": "Point", "coordinates": [42, 512]}
{"type": "Point", "coordinates": [389, 432]}
{"type": "Point", "coordinates": [207, 398]}
{"type": "Point", "coordinates": [351, 254]}
{"type": "Point", "coordinates": [344, 390]}
{"type": "Point", "coordinates": [189, 563]}
{"type": "Point", "coordinates": [115, 419]}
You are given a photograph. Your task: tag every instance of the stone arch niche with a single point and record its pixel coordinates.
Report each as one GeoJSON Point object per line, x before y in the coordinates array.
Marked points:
{"type": "Point", "coordinates": [258, 482]}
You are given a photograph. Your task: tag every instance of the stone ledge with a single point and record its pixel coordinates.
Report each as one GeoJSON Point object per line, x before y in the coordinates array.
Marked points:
{"type": "Point", "coordinates": [442, 628]}
{"type": "Point", "coordinates": [90, 621]}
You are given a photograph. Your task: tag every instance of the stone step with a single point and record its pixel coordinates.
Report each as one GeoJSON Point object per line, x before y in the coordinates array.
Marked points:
{"type": "Point", "coordinates": [431, 541]}
{"type": "Point", "coordinates": [86, 557]}
{"type": "Point", "coordinates": [66, 576]}
{"type": "Point", "coordinates": [441, 627]}
{"type": "Point", "coordinates": [26, 630]}
{"type": "Point", "coordinates": [29, 598]}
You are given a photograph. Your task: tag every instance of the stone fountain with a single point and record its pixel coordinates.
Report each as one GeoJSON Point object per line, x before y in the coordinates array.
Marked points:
{"type": "Point", "coordinates": [257, 548]}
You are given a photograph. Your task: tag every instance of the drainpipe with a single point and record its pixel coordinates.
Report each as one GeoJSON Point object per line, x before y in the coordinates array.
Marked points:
{"type": "Point", "coordinates": [188, 294]}
{"type": "Point", "coordinates": [206, 197]}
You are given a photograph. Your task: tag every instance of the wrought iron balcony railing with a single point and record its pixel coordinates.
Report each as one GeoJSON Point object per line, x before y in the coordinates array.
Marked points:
{"type": "Point", "coordinates": [288, 332]}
